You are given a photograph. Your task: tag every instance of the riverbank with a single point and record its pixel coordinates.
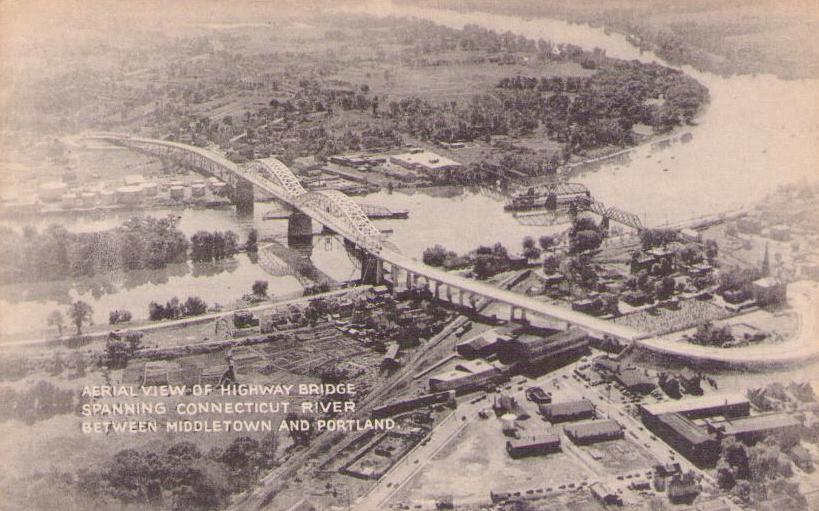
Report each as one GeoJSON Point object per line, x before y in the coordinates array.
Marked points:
{"type": "Point", "coordinates": [145, 326]}
{"type": "Point", "coordinates": [747, 38]}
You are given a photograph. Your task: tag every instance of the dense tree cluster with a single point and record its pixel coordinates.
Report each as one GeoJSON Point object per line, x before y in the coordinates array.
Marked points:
{"type": "Point", "coordinates": [55, 253]}
{"type": "Point", "coordinates": [39, 402]}
{"type": "Point", "coordinates": [211, 246]}
{"type": "Point", "coordinates": [708, 334]}
{"type": "Point", "coordinates": [174, 309]}
{"type": "Point", "coordinates": [119, 316]}
{"type": "Point", "coordinates": [585, 234]}
{"type": "Point", "coordinates": [181, 478]}
{"type": "Point", "coordinates": [756, 473]}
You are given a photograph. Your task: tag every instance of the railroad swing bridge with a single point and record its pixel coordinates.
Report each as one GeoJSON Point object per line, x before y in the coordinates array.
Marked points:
{"type": "Point", "coordinates": [535, 200]}
{"type": "Point", "coordinates": [379, 259]}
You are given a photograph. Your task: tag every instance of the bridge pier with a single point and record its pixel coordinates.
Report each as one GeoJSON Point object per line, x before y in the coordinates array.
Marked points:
{"type": "Point", "coordinates": [243, 196]}
{"type": "Point", "coordinates": [299, 229]}
{"type": "Point", "coordinates": [604, 223]}
{"type": "Point", "coordinates": [394, 275]}
{"type": "Point", "coordinates": [372, 270]}
{"type": "Point", "coordinates": [512, 314]}
{"type": "Point", "coordinates": [437, 290]}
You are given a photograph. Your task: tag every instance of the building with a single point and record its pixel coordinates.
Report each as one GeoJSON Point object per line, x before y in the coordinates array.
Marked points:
{"type": "Point", "coordinates": [533, 445]}
{"type": "Point", "coordinates": [604, 494]}
{"type": "Point", "coordinates": [750, 430]}
{"type": "Point", "coordinates": [686, 438]}
{"type": "Point", "coordinates": [728, 405]}
{"type": "Point", "coordinates": [568, 411]}
{"type": "Point", "coordinates": [440, 398]}
{"type": "Point", "coordinates": [768, 291]}
{"type": "Point", "coordinates": [532, 350]}
{"type": "Point", "coordinates": [481, 346]}
{"type": "Point", "coordinates": [468, 376]}
{"type": "Point", "coordinates": [683, 488]}
{"type": "Point", "coordinates": [589, 432]}
{"type": "Point", "coordinates": [425, 161]}
{"type": "Point", "coordinates": [635, 380]}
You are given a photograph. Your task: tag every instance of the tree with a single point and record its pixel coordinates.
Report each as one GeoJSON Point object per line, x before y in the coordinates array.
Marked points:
{"type": "Point", "coordinates": [585, 240]}
{"type": "Point", "coordinates": [666, 288]}
{"type": "Point", "coordinates": [546, 242]}
{"type": "Point", "coordinates": [117, 352]}
{"type": "Point", "coordinates": [80, 313]}
{"type": "Point", "coordinates": [195, 306]}
{"type": "Point", "coordinates": [528, 242]}
{"type": "Point", "coordinates": [531, 252]}
{"type": "Point", "coordinates": [119, 316]}
{"type": "Point", "coordinates": [251, 245]}
{"type": "Point", "coordinates": [551, 263]}
{"type": "Point", "coordinates": [260, 288]}
{"type": "Point", "coordinates": [56, 320]}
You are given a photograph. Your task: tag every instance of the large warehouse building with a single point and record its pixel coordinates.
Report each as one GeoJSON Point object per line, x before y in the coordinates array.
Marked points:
{"type": "Point", "coordinates": [672, 421]}
{"type": "Point", "coordinates": [589, 432]}
{"type": "Point", "coordinates": [728, 405]}
{"type": "Point", "coordinates": [568, 411]}
{"type": "Point", "coordinates": [533, 445]}
{"type": "Point", "coordinates": [532, 351]}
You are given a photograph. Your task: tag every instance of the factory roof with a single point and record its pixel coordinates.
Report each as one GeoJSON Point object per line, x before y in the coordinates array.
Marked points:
{"type": "Point", "coordinates": [534, 440]}
{"type": "Point", "coordinates": [758, 423]}
{"type": "Point", "coordinates": [424, 159]}
{"type": "Point", "coordinates": [568, 408]}
{"type": "Point", "coordinates": [697, 403]}
{"type": "Point", "coordinates": [692, 433]}
{"type": "Point", "coordinates": [593, 428]}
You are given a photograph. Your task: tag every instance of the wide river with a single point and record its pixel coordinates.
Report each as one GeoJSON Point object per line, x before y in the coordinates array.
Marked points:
{"type": "Point", "coordinates": [758, 132]}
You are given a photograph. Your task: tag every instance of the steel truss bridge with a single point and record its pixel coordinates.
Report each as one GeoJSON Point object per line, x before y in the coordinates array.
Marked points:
{"type": "Point", "coordinates": [336, 212]}
{"type": "Point", "coordinates": [582, 198]}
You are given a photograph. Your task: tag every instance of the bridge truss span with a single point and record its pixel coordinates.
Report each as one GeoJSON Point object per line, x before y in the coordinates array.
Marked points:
{"type": "Point", "coordinates": [338, 206]}
{"type": "Point", "coordinates": [276, 171]}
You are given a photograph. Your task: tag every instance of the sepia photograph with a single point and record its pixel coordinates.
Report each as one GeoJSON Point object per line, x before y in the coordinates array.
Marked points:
{"type": "Point", "coordinates": [376, 255]}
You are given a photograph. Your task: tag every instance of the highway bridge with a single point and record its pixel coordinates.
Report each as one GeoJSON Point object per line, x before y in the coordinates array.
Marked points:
{"type": "Point", "coordinates": [336, 212]}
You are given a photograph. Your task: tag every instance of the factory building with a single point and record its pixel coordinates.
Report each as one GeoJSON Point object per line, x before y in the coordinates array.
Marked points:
{"type": "Point", "coordinates": [468, 376]}
{"type": "Point", "coordinates": [533, 445]}
{"type": "Point", "coordinates": [481, 346]}
{"type": "Point", "coordinates": [686, 438]}
{"type": "Point", "coordinates": [589, 432]}
{"type": "Point", "coordinates": [750, 430]}
{"type": "Point", "coordinates": [425, 161]}
{"type": "Point", "coordinates": [568, 411]}
{"type": "Point", "coordinates": [531, 351]}
{"type": "Point", "coordinates": [728, 405]}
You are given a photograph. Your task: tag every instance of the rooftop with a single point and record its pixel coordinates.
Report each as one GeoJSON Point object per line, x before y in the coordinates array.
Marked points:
{"type": "Point", "coordinates": [569, 407]}
{"type": "Point", "coordinates": [758, 423]}
{"type": "Point", "coordinates": [593, 428]}
{"type": "Point", "coordinates": [425, 159]}
{"type": "Point", "coordinates": [534, 440]}
{"type": "Point", "coordinates": [696, 403]}
{"type": "Point", "coordinates": [685, 428]}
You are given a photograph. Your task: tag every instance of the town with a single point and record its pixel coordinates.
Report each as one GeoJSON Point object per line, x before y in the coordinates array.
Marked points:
{"type": "Point", "coordinates": [422, 259]}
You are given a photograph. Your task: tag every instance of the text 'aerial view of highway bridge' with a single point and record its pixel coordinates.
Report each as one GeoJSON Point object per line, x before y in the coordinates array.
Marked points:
{"type": "Point", "coordinates": [404, 254]}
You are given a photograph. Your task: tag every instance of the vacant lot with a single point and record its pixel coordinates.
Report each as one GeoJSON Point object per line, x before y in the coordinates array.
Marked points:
{"type": "Point", "coordinates": [476, 462]}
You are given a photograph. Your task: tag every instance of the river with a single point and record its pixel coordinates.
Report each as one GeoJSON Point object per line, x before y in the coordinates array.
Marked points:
{"type": "Point", "coordinates": [757, 133]}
